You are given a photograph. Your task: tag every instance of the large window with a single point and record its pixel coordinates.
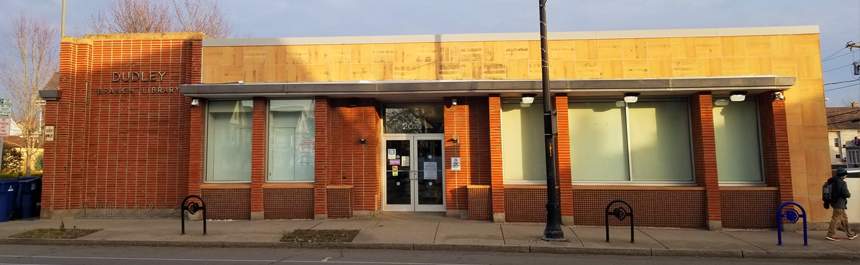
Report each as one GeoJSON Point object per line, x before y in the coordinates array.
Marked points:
{"type": "Point", "coordinates": [644, 142]}
{"type": "Point", "coordinates": [523, 158]}
{"type": "Point", "coordinates": [737, 140]}
{"type": "Point", "coordinates": [228, 141]}
{"type": "Point", "coordinates": [291, 140]}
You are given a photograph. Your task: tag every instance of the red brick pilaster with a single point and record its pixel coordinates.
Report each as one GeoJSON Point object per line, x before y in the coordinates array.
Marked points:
{"type": "Point", "coordinates": [258, 158]}
{"type": "Point", "coordinates": [774, 137]}
{"type": "Point", "coordinates": [563, 159]}
{"type": "Point", "coordinates": [705, 155]}
{"type": "Point", "coordinates": [498, 182]}
{"type": "Point", "coordinates": [197, 141]}
{"type": "Point", "coordinates": [321, 156]}
{"type": "Point", "coordinates": [78, 146]}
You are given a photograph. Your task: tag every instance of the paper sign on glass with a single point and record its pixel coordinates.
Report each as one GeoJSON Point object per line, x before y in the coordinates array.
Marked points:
{"type": "Point", "coordinates": [394, 171]}
{"type": "Point", "coordinates": [430, 171]}
{"type": "Point", "coordinates": [393, 162]}
{"type": "Point", "coordinates": [392, 153]}
{"type": "Point", "coordinates": [404, 160]}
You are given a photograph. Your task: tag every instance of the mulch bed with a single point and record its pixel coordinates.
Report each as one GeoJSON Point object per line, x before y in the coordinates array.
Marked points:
{"type": "Point", "coordinates": [305, 235]}
{"type": "Point", "coordinates": [54, 233]}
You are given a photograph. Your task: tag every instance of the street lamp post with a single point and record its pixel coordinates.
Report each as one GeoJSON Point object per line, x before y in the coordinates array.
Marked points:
{"type": "Point", "coordinates": [553, 211]}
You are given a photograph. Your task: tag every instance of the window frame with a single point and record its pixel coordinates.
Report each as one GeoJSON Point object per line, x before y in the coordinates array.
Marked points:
{"type": "Point", "coordinates": [268, 146]}
{"type": "Point", "coordinates": [519, 182]}
{"type": "Point", "coordinates": [758, 183]}
{"type": "Point", "coordinates": [631, 181]}
{"type": "Point", "coordinates": [207, 139]}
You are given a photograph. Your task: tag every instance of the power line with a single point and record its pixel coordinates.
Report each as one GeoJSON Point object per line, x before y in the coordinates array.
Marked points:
{"type": "Point", "coordinates": [851, 85]}
{"type": "Point", "coordinates": [828, 57]}
{"type": "Point", "coordinates": [850, 64]}
{"type": "Point", "coordinates": [840, 82]}
{"type": "Point", "coordinates": [852, 52]}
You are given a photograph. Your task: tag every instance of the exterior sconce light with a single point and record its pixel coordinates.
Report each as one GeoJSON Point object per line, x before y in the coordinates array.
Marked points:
{"type": "Point", "coordinates": [455, 140]}
{"type": "Point", "coordinates": [528, 99]}
{"type": "Point", "coordinates": [721, 102]}
{"type": "Point", "coordinates": [738, 96]}
{"type": "Point", "coordinates": [453, 102]}
{"type": "Point", "coordinates": [353, 102]}
{"type": "Point", "coordinates": [195, 102]}
{"type": "Point", "coordinates": [631, 97]}
{"type": "Point", "coordinates": [362, 141]}
{"type": "Point", "coordinates": [778, 96]}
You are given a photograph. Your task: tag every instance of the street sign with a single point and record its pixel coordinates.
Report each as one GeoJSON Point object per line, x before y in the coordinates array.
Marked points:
{"type": "Point", "coordinates": [5, 126]}
{"type": "Point", "coordinates": [5, 107]}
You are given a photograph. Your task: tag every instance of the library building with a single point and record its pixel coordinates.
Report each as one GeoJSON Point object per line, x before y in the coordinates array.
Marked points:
{"type": "Point", "coordinates": [695, 128]}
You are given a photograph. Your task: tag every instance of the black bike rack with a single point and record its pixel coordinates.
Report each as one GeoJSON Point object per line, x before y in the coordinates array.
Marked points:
{"type": "Point", "coordinates": [621, 214]}
{"type": "Point", "coordinates": [192, 208]}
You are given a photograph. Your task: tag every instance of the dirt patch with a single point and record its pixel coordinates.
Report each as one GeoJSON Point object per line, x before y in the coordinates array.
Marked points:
{"type": "Point", "coordinates": [54, 233]}
{"type": "Point", "coordinates": [304, 235]}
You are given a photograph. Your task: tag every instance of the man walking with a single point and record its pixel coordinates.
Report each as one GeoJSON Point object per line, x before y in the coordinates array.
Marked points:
{"type": "Point", "coordinates": [836, 194]}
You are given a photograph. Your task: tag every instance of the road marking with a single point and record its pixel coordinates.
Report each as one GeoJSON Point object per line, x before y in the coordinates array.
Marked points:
{"type": "Point", "coordinates": [236, 260]}
{"type": "Point", "coordinates": [326, 259]}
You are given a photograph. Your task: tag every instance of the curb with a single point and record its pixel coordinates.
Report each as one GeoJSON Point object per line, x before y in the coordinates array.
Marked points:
{"type": "Point", "coordinates": [843, 255]}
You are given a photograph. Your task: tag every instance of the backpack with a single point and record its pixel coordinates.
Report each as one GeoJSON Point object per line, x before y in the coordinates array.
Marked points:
{"type": "Point", "coordinates": [827, 192]}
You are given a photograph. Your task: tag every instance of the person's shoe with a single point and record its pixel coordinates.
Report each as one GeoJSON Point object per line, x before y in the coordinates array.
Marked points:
{"type": "Point", "coordinates": [832, 238]}
{"type": "Point", "coordinates": [853, 237]}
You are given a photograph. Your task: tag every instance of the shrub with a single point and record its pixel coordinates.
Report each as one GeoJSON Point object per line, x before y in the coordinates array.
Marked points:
{"type": "Point", "coordinates": [11, 159]}
{"type": "Point", "coordinates": [39, 162]}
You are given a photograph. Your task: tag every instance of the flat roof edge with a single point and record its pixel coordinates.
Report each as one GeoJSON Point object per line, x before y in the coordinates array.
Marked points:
{"type": "Point", "coordinates": [576, 35]}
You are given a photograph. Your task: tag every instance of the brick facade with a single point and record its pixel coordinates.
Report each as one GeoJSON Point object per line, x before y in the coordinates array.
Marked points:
{"type": "Point", "coordinates": [705, 154]}
{"type": "Point", "coordinates": [468, 123]}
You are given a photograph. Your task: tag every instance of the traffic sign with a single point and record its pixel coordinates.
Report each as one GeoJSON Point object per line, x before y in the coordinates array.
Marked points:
{"type": "Point", "coordinates": [5, 126]}
{"type": "Point", "coordinates": [5, 107]}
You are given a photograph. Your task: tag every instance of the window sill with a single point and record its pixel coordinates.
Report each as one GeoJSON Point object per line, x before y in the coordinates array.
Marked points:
{"type": "Point", "coordinates": [633, 187]}
{"type": "Point", "coordinates": [747, 188]}
{"type": "Point", "coordinates": [525, 182]}
{"type": "Point", "coordinates": [288, 185]}
{"type": "Point", "coordinates": [226, 186]}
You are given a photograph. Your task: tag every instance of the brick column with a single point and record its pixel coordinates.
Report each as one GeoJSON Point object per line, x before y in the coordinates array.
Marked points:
{"type": "Point", "coordinates": [774, 141]}
{"type": "Point", "coordinates": [258, 158]}
{"type": "Point", "coordinates": [563, 159]}
{"type": "Point", "coordinates": [705, 155]}
{"type": "Point", "coordinates": [321, 156]}
{"type": "Point", "coordinates": [497, 180]}
{"type": "Point", "coordinates": [197, 143]}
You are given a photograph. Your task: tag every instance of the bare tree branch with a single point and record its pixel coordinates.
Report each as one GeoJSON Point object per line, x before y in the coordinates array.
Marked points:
{"type": "Point", "coordinates": [31, 63]}
{"type": "Point", "coordinates": [151, 16]}
{"type": "Point", "coordinates": [202, 16]}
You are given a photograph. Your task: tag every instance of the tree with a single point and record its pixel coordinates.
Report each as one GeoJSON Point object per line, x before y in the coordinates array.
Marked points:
{"type": "Point", "coordinates": [29, 65]}
{"type": "Point", "coordinates": [11, 159]}
{"type": "Point", "coordinates": [154, 16]}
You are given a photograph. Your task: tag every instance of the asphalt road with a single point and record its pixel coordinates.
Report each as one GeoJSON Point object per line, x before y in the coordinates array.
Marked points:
{"type": "Point", "coordinates": [19, 254]}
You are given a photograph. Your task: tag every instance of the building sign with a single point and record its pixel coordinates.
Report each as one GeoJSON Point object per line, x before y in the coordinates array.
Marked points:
{"type": "Point", "coordinates": [455, 164]}
{"type": "Point", "coordinates": [5, 126]}
{"type": "Point", "coordinates": [49, 133]}
{"type": "Point", "coordinates": [139, 78]}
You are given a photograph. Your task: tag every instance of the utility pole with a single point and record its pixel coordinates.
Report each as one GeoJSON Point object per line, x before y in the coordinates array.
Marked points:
{"type": "Point", "coordinates": [553, 210]}
{"type": "Point", "coordinates": [63, 23]}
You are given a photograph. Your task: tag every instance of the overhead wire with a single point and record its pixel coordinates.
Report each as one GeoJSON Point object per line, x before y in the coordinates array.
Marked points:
{"type": "Point", "coordinates": [852, 52]}
{"type": "Point", "coordinates": [851, 85]}
{"type": "Point", "coordinates": [828, 57]}
{"type": "Point", "coordinates": [834, 69]}
{"type": "Point", "coordinates": [840, 82]}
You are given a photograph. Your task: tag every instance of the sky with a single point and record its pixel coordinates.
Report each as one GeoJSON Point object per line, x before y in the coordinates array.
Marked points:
{"type": "Point", "coordinates": [839, 20]}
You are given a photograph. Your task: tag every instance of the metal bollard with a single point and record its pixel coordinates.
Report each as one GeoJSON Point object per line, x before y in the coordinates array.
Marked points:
{"type": "Point", "coordinates": [192, 208]}
{"type": "Point", "coordinates": [621, 214]}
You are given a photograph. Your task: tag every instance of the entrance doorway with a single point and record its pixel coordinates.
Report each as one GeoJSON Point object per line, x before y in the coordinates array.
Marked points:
{"type": "Point", "coordinates": [414, 175]}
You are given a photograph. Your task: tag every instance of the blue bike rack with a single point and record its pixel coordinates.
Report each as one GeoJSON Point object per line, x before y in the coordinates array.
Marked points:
{"type": "Point", "coordinates": [792, 216]}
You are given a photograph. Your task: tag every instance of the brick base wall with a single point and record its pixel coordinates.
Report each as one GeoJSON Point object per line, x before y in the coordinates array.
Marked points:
{"type": "Point", "coordinates": [749, 209]}
{"type": "Point", "coordinates": [525, 204]}
{"type": "Point", "coordinates": [339, 203]}
{"type": "Point", "coordinates": [227, 203]}
{"type": "Point", "coordinates": [288, 203]}
{"type": "Point", "coordinates": [480, 206]}
{"type": "Point", "coordinates": [654, 208]}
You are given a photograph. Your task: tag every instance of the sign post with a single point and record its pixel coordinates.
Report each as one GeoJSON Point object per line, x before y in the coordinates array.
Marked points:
{"type": "Point", "coordinates": [5, 123]}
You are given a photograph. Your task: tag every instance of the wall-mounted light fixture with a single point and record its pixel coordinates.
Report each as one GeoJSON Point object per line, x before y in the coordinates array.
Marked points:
{"type": "Point", "coordinates": [195, 102]}
{"type": "Point", "coordinates": [778, 96]}
{"type": "Point", "coordinates": [353, 102]}
{"type": "Point", "coordinates": [362, 141]}
{"type": "Point", "coordinates": [455, 140]}
{"type": "Point", "coordinates": [721, 102]}
{"type": "Point", "coordinates": [631, 97]}
{"type": "Point", "coordinates": [453, 102]}
{"type": "Point", "coordinates": [738, 96]}
{"type": "Point", "coordinates": [528, 99]}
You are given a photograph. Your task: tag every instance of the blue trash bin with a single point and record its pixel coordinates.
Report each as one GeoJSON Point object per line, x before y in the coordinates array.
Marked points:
{"type": "Point", "coordinates": [8, 194]}
{"type": "Point", "coordinates": [27, 197]}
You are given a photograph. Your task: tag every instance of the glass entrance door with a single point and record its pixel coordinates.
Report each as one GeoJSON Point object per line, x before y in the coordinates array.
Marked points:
{"type": "Point", "coordinates": [414, 173]}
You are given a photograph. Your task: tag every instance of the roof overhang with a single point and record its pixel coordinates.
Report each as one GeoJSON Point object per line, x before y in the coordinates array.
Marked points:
{"type": "Point", "coordinates": [423, 90]}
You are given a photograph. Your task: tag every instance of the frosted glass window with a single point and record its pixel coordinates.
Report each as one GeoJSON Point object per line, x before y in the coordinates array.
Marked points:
{"type": "Point", "coordinates": [291, 140]}
{"type": "Point", "coordinates": [737, 141]}
{"type": "Point", "coordinates": [523, 155]}
{"type": "Point", "coordinates": [660, 141]}
{"type": "Point", "coordinates": [598, 144]}
{"type": "Point", "coordinates": [228, 140]}
{"type": "Point", "coordinates": [641, 142]}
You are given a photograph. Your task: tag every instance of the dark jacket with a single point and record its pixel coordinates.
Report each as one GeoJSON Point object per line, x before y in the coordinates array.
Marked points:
{"type": "Point", "coordinates": [840, 193]}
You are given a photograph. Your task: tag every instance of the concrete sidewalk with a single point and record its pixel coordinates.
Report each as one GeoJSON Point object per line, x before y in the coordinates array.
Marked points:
{"type": "Point", "coordinates": [418, 231]}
